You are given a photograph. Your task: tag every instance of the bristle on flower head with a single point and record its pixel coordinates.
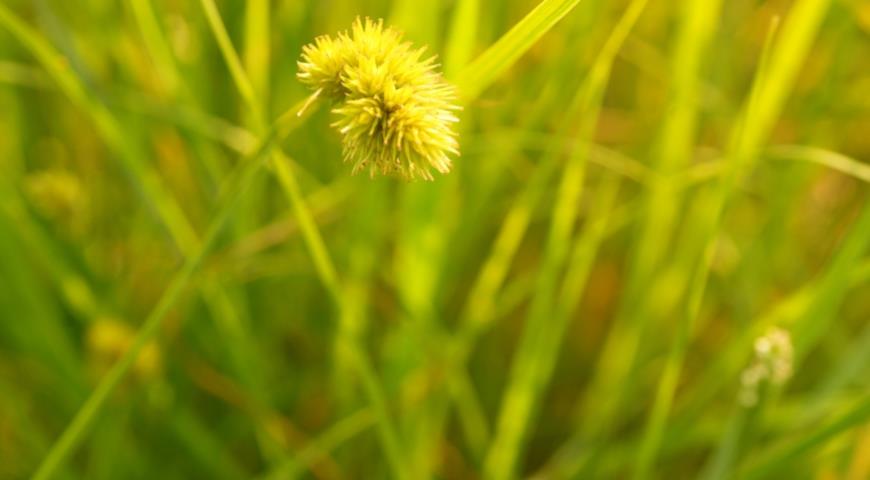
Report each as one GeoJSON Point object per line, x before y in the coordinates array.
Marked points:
{"type": "Point", "coordinates": [395, 110]}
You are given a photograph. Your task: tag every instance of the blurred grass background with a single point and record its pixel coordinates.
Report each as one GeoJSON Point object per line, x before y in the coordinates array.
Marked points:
{"type": "Point", "coordinates": [645, 187]}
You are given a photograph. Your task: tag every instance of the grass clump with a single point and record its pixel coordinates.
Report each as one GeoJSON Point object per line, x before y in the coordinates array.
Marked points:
{"type": "Point", "coordinates": [650, 263]}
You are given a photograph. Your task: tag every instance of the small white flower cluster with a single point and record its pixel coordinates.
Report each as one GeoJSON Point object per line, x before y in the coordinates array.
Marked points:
{"type": "Point", "coordinates": [772, 363]}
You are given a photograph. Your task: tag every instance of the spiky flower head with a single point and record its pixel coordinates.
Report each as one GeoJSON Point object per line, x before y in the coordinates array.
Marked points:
{"type": "Point", "coordinates": [395, 111]}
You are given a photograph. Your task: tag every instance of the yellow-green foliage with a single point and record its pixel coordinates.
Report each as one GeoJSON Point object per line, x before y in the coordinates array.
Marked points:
{"type": "Point", "coordinates": [650, 261]}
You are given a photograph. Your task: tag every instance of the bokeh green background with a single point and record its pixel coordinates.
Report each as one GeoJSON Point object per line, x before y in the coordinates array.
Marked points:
{"type": "Point", "coordinates": [576, 299]}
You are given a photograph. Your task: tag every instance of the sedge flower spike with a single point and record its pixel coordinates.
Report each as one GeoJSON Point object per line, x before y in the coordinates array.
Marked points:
{"type": "Point", "coordinates": [395, 111]}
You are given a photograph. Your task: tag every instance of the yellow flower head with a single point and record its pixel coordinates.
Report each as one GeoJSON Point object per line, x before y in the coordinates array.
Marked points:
{"type": "Point", "coordinates": [395, 111]}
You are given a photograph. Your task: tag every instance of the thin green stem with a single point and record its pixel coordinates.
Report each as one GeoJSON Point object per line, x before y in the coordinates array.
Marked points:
{"type": "Point", "coordinates": [776, 73]}
{"type": "Point", "coordinates": [618, 357]}
{"type": "Point", "coordinates": [534, 360]}
{"type": "Point", "coordinates": [237, 71]}
{"type": "Point", "coordinates": [663, 401]}
{"type": "Point", "coordinates": [319, 447]}
{"type": "Point", "coordinates": [77, 429]}
{"type": "Point", "coordinates": [151, 185]}
{"type": "Point", "coordinates": [486, 68]}
{"type": "Point", "coordinates": [313, 239]}
{"type": "Point", "coordinates": [156, 43]}
{"type": "Point", "coordinates": [782, 455]}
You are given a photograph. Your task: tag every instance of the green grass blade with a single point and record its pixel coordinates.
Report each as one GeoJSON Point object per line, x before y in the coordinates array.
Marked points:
{"type": "Point", "coordinates": [691, 308]}
{"type": "Point", "coordinates": [785, 455]}
{"type": "Point", "coordinates": [77, 429]}
{"type": "Point", "coordinates": [486, 68]}
{"type": "Point", "coordinates": [156, 43]}
{"type": "Point", "coordinates": [329, 440]}
{"type": "Point", "coordinates": [461, 37]}
{"type": "Point", "coordinates": [237, 71]}
{"type": "Point", "coordinates": [612, 375]}
{"type": "Point", "coordinates": [152, 188]}
{"type": "Point", "coordinates": [420, 21]}
{"type": "Point", "coordinates": [145, 178]}
{"type": "Point", "coordinates": [314, 240]}
{"type": "Point", "coordinates": [833, 160]}
{"type": "Point", "coordinates": [774, 81]}
{"type": "Point", "coordinates": [810, 328]}
{"type": "Point", "coordinates": [342, 325]}
{"type": "Point", "coordinates": [530, 369]}
{"type": "Point", "coordinates": [257, 53]}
